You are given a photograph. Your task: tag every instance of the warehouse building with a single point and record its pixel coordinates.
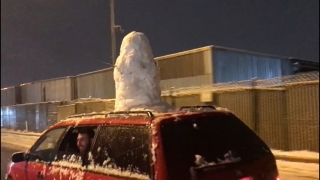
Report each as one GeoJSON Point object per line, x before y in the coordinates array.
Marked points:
{"type": "Point", "coordinates": [214, 64]}
{"type": "Point", "coordinates": [196, 67]}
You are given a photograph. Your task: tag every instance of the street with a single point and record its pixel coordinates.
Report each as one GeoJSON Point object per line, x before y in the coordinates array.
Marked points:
{"type": "Point", "coordinates": [5, 158]}
{"type": "Point", "coordinates": [7, 152]}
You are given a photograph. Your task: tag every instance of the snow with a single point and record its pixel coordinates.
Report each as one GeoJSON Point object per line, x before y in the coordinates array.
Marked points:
{"type": "Point", "coordinates": [118, 172]}
{"type": "Point", "coordinates": [153, 151]}
{"type": "Point", "coordinates": [10, 138]}
{"type": "Point", "coordinates": [107, 168]}
{"type": "Point", "coordinates": [62, 168]}
{"type": "Point", "coordinates": [77, 120]}
{"type": "Point", "coordinates": [195, 126]}
{"type": "Point", "coordinates": [24, 132]}
{"type": "Point", "coordinates": [200, 161]}
{"type": "Point", "coordinates": [136, 76]}
{"type": "Point", "coordinates": [301, 154]}
{"type": "Point", "coordinates": [228, 158]}
{"type": "Point", "coordinates": [310, 170]}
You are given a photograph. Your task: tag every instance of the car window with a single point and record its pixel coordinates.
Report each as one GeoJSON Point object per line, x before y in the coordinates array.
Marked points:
{"type": "Point", "coordinates": [125, 149]}
{"type": "Point", "coordinates": [217, 138]}
{"type": "Point", "coordinates": [68, 146]}
{"type": "Point", "coordinates": [44, 148]}
{"type": "Point", "coordinates": [50, 140]}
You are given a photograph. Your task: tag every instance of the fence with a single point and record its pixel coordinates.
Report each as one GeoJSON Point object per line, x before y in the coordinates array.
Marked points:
{"type": "Point", "coordinates": [85, 106]}
{"type": "Point", "coordinates": [32, 117]}
{"type": "Point", "coordinates": [284, 112]}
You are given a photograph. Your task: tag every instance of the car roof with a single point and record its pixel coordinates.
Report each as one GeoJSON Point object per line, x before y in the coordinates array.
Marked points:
{"type": "Point", "coordinates": [134, 118]}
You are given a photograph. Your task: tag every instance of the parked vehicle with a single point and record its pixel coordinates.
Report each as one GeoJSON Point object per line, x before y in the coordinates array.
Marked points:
{"type": "Point", "coordinates": [200, 142]}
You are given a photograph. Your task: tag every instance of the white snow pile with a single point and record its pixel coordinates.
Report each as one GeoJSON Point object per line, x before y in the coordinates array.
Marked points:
{"type": "Point", "coordinates": [24, 132]}
{"type": "Point", "coordinates": [229, 158]}
{"type": "Point", "coordinates": [108, 168]}
{"type": "Point", "coordinates": [297, 154]}
{"type": "Point", "coordinates": [136, 77]}
{"type": "Point", "coordinates": [303, 170]}
{"type": "Point", "coordinates": [201, 162]}
{"type": "Point", "coordinates": [9, 139]}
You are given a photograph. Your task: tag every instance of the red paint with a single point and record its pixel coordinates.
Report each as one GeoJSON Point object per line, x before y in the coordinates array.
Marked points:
{"type": "Point", "coordinates": [160, 170]}
{"type": "Point", "coordinates": [17, 170]}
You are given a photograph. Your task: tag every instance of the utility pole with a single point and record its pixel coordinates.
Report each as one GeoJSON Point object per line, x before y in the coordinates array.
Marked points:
{"type": "Point", "coordinates": [113, 33]}
{"type": "Point", "coordinates": [114, 29]}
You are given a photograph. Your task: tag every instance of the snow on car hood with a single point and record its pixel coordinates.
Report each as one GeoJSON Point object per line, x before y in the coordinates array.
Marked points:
{"type": "Point", "coordinates": [137, 77]}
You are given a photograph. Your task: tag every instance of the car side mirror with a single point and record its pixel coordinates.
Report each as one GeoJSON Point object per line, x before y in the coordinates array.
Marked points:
{"type": "Point", "coordinates": [18, 157]}
{"type": "Point", "coordinates": [26, 156]}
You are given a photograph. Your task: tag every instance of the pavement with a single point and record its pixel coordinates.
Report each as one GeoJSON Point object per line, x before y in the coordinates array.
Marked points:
{"type": "Point", "coordinates": [6, 158]}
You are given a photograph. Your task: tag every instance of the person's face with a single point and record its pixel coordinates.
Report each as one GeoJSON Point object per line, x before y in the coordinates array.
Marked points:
{"type": "Point", "coordinates": [83, 142]}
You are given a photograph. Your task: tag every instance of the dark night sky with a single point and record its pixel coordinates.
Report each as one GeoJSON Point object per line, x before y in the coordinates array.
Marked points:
{"type": "Point", "coordinates": [43, 39]}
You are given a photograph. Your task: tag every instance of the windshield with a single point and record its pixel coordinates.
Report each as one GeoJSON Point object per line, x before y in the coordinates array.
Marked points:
{"type": "Point", "coordinates": [213, 139]}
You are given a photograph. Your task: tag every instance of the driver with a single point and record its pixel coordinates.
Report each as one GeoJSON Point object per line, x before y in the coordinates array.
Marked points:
{"type": "Point", "coordinates": [84, 140]}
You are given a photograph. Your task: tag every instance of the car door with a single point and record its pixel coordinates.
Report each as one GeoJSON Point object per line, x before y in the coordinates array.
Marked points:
{"type": "Point", "coordinates": [42, 154]}
{"type": "Point", "coordinates": [121, 152]}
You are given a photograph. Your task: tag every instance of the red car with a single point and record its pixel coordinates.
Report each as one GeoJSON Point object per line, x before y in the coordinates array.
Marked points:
{"type": "Point", "coordinates": [199, 142]}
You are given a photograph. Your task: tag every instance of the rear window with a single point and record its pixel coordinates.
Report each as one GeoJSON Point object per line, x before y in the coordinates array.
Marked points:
{"type": "Point", "coordinates": [209, 138]}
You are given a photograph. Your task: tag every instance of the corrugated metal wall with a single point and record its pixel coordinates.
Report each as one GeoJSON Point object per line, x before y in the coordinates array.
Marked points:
{"type": "Point", "coordinates": [195, 67]}
{"type": "Point", "coordinates": [186, 82]}
{"type": "Point", "coordinates": [3, 97]}
{"type": "Point", "coordinates": [10, 96]}
{"type": "Point", "coordinates": [109, 105]}
{"type": "Point", "coordinates": [303, 116]}
{"type": "Point", "coordinates": [98, 84]}
{"type": "Point", "coordinates": [20, 117]}
{"type": "Point", "coordinates": [287, 67]}
{"type": "Point", "coordinates": [285, 118]}
{"type": "Point", "coordinates": [30, 116]}
{"type": "Point", "coordinates": [241, 103]}
{"type": "Point", "coordinates": [8, 117]}
{"type": "Point", "coordinates": [185, 69]}
{"type": "Point", "coordinates": [190, 100]}
{"type": "Point", "coordinates": [230, 65]}
{"type": "Point", "coordinates": [59, 89]}
{"type": "Point", "coordinates": [84, 107]}
{"type": "Point", "coordinates": [51, 113]}
{"type": "Point", "coordinates": [271, 118]}
{"type": "Point", "coordinates": [31, 93]}
{"type": "Point", "coordinates": [37, 117]}
{"type": "Point", "coordinates": [33, 116]}
{"type": "Point", "coordinates": [65, 111]}
{"type": "Point", "coordinates": [89, 107]}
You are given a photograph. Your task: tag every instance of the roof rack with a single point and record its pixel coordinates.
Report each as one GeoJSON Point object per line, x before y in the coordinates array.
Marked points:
{"type": "Point", "coordinates": [89, 114]}
{"type": "Point", "coordinates": [125, 113]}
{"type": "Point", "coordinates": [112, 114]}
{"type": "Point", "coordinates": [198, 108]}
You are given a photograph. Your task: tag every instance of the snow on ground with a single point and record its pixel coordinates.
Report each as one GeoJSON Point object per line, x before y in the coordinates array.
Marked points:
{"type": "Point", "coordinates": [300, 154]}
{"type": "Point", "coordinates": [4, 130]}
{"type": "Point", "coordinates": [18, 139]}
{"type": "Point", "coordinates": [306, 170]}
{"type": "Point", "coordinates": [136, 76]}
